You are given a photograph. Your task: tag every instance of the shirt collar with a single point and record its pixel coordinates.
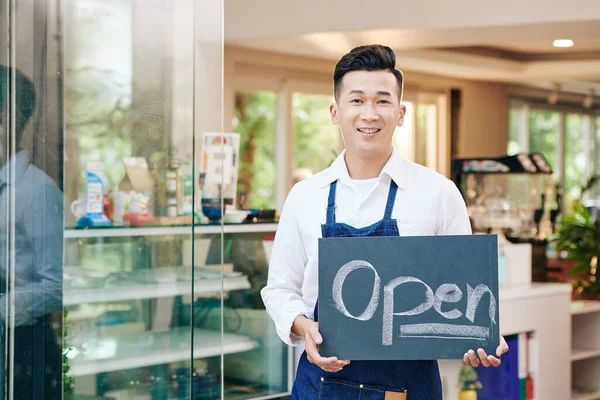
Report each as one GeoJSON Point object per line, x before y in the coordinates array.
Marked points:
{"type": "Point", "coordinates": [19, 163]}
{"type": "Point", "coordinates": [394, 168]}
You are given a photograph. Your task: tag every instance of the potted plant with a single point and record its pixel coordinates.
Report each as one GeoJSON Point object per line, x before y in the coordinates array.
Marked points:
{"type": "Point", "coordinates": [467, 382]}
{"type": "Point", "coordinates": [578, 236]}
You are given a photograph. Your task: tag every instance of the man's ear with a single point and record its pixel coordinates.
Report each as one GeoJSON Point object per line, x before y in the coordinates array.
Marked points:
{"type": "Point", "coordinates": [333, 112]}
{"type": "Point", "coordinates": [401, 115]}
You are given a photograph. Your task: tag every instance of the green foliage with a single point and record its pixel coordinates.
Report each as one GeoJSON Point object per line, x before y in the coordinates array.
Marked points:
{"type": "Point", "coordinates": [468, 378]}
{"type": "Point", "coordinates": [579, 235]}
{"type": "Point", "coordinates": [543, 134]}
{"type": "Point", "coordinates": [98, 116]}
{"type": "Point", "coordinates": [255, 112]}
{"type": "Point", "coordinates": [316, 140]}
{"type": "Point", "coordinates": [67, 380]}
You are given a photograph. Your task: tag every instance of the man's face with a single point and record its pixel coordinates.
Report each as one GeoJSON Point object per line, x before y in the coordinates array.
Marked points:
{"type": "Point", "coordinates": [368, 110]}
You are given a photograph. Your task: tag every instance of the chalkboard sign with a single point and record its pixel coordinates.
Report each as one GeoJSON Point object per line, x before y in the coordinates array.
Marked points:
{"type": "Point", "coordinates": [408, 298]}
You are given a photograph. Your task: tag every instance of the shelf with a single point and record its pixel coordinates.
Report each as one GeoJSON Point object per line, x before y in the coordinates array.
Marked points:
{"type": "Point", "coordinates": [72, 233]}
{"type": "Point", "coordinates": [138, 291]}
{"type": "Point", "coordinates": [536, 289]}
{"type": "Point", "coordinates": [137, 350]}
{"type": "Point", "coordinates": [582, 354]}
{"type": "Point", "coordinates": [586, 396]}
{"type": "Point", "coordinates": [128, 394]}
{"type": "Point", "coordinates": [584, 307]}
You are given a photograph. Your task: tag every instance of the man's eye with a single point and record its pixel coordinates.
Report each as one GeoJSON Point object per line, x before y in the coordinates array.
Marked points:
{"type": "Point", "coordinates": [384, 101]}
{"type": "Point", "coordinates": [355, 101]}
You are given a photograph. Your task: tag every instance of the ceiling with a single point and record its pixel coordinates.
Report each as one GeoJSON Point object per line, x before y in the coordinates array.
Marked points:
{"type": "Point", "coordinates": [480, 45]}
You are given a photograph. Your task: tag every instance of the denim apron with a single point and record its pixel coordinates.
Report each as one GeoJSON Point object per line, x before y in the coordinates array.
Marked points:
{"type": "Point", "coordinates": [366, 380]}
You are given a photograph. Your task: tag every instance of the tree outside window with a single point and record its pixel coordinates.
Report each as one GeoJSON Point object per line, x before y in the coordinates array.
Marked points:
{"type": "Point", "coordinates": [544, 131]}
{"type": "Point", "coordinates": [317, 141]}
{"type": "Point", "coordinates": [254, 120]}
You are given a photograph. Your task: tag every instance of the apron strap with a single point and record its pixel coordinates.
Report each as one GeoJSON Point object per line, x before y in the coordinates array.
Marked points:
{"type": "Point", "coordinates": [331, 203]}
{"type": "Point", "coordinates": [390, 200]}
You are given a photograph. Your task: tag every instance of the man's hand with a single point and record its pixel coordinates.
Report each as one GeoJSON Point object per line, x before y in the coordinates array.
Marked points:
{"type": "Point", "coordinates": [309, 329]}
{"type": "Point", "coordinates": [470, 358]}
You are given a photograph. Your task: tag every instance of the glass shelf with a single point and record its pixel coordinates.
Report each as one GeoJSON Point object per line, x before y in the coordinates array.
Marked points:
{"type": "Point", "coordinates": [75, 233]}
{"type": "Point", "coordinates": [127, 351]}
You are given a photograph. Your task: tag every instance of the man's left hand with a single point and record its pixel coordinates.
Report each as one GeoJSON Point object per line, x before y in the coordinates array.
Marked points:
{"type": "Point", "coordinates": [471, 358]}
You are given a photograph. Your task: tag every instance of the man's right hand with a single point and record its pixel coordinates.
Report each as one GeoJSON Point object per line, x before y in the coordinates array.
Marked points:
{"type": "Point", "coordinates": [309, 329]}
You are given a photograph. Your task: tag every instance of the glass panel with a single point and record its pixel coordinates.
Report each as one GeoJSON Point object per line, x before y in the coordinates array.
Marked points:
{"type": "Point", "coordinates": [317, 142]}
{"type": "Point", "coordinates": [255, 122]}
{"type": "Point", "coordinates": [261, 366]}
{"type": "Point", "coordinates": [31, 207]}
{"type": "Point", "coordinates": [544, 135]}
{"type": "Point", "coordinates": [575, 158]}
{"type": "Point", "coordinates": [217, 158]}
{"type": "Point", "coordinates": [129, 289]}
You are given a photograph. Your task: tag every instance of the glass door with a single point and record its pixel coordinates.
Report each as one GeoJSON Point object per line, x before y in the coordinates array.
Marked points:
{"type": "Point", "coordinates": [31, 205]}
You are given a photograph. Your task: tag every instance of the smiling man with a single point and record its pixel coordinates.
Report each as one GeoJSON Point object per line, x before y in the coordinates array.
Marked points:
{"type": "Point", "coordinates": [369, 190]}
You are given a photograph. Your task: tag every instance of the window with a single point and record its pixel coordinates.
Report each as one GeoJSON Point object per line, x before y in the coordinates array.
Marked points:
{"type": "Point", "coordinates": [419, 139]}
{"type": "Point", "coordinates": [515, 118]}
{"type": "Point", "coordinates": [317, 142]}
{"type": "Point", "coordinates": [544, 128]}
{"type": "Point", "coordinates": [254, 120]}
{"type": "Point", "coordinates": [575, 155]}
{"type": "Point", "coordinates": [597, 146]}
{"type": "Point", "coordinates": [565, 137]}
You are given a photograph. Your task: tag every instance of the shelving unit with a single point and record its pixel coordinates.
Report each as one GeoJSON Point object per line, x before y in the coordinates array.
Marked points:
{"type": "Point", "coordinates": [586, 396]}
{"type": "Point", "coordinates": [144, 309]}
{"type": "Point", "coordinates": [140, 291]}
{"type": "Point", "coordinates": [585, 350]}
{"type": "Point", "coordinates": [545, 310]}
{"type": "Point", "coordinates": [115, 353]}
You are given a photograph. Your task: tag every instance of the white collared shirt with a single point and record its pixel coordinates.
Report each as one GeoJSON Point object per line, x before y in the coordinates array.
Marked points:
{"type": "Point", "coordinates": [427, 203]}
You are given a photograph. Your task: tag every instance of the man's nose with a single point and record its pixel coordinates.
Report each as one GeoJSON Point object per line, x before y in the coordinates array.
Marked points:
{"type": "Point", "coordinates": [369, 113]}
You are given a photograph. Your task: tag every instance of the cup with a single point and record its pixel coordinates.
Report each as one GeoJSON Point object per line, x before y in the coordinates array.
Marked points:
{"type": "Point", "coordinates": [119, 202]}
{"type": "Point", "coordinates": [78, 207]}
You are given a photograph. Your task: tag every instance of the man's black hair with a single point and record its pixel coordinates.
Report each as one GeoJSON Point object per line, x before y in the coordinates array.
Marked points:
{"type": "Point", "coordinates": [25, 97]}
{"type": "Point", "coordinates": [372, 57]}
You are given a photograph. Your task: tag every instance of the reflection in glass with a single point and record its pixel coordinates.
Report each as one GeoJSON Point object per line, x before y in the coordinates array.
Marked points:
{"type": "Point", "coordinates": [31, 234]}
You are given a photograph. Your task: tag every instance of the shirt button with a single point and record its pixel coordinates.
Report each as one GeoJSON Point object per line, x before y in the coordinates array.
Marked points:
{"type": "Point", "coordinates": [322, 379]}
{"type": "Point", "coordinates": [361, 386]}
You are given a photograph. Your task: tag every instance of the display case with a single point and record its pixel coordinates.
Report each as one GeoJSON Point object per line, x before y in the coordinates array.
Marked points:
{"type": "Point", "coordinates": [127, 270]}
{"type": "Point", "coordinates": [142, 323]}
{"type": "Point", "coordinates": [513, 193]}
{"type": "Point", "coordinates": [515, 196]}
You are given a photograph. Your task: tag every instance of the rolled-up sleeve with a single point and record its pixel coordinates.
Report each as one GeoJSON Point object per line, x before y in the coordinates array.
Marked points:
{"type": "Point", "coordinates": [454, 211]}
{"type": "Point", "coordinates": [282, 295]}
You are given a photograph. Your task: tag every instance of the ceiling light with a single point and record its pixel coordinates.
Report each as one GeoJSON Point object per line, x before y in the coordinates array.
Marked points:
{"type": "Point", "coordinates": [563, 43]}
